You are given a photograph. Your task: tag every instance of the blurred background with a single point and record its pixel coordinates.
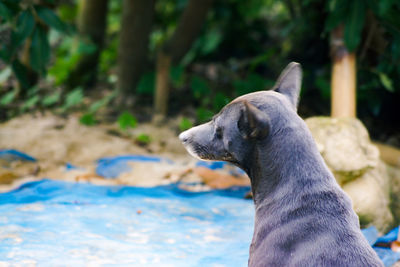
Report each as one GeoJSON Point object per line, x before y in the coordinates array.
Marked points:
{"type": "Point", "coordinates": [129, 60]}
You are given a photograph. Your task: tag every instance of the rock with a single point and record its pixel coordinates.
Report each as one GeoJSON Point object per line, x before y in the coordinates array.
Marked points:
{"type": "Point", "coordinates": [347, 150]}
{"type": "Point", "coordinates": [394, 173]}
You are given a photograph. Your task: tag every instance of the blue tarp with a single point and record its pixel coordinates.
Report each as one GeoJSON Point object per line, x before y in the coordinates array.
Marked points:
{"type": "Point", "coordinates": [12, 155]}
{"type": "Point", "coordinates": [388, 256]}
{"type": "Point", "coordinates": [54, 222]}
{"type": "Point", "coordinates": [112, 167]}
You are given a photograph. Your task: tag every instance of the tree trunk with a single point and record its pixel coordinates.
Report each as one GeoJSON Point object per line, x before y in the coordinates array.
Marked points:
{"type": "Point", "coordinates": [162, 85]}
{"type": "Point", "coordinates": [92, 21]}
{"type": "Point", "coordinates": [137, 20]}
{"type": "Point", "coordinates": [343, 83]}
{"type": "Point", "coordinates": [188, 29]}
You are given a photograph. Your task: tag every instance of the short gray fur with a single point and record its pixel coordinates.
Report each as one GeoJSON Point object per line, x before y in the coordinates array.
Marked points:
{"type": "Point", "coordinates": [302, 216]}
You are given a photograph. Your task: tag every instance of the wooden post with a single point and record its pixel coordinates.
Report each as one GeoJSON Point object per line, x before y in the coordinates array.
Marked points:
{"type": "Point", "coordinates": [343, 81]}
{"type": "Point", "coordinates": [162, 84]}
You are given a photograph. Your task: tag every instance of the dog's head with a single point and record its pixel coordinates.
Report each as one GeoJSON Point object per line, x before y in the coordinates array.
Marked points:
{"type": "Point", "coordinates": [234, 131]}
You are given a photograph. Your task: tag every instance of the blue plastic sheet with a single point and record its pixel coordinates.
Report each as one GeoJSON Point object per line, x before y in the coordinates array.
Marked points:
{"type": "Point", "coordinates": [218, 165]}
{"type": "Point", "coordinates": [388, 256]}
{"type": "Point", "coordinates": [371, 234]}
{"type": "Point", "coordinates": [12, 155]}
{"type": "Point", "coordinates": [389, 237]}
{"type": "Point", "coordinates": [53, 222]}
{"type": "Point", "coordinates": [112, 167]}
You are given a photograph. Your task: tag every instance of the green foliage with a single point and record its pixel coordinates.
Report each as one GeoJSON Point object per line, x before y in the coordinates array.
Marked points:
{"type": "Point", "coordinates": [146, 84]}
{"type": "Point", "coordinates": [51, 99]}
{"type": "Point", "coordinates": [88, 119]}
{"type": "Point", "coordinates": [73, 98]}
{"type": "Point", "coordinates": [94, 107]}
{"type": "Point", "coordinates": [4, 75]}
{"type": "Point", "coordinates": [386, 82]}
{"type": "Point", "coordinates": [28, 21]}
{"type": "Point", "coordinates": [143, 139]}
{"type": "Point", "coordinates": [108, 56]}
{"type": "Point", "coordinates": [220, 100]}
{"type": "Point", "coordinates": [21, 72]}
{"type": "Point", "coordinates": [177, 75]}
{"type": "Point", "coordinates": [351, 14]}
{"type": "Point", "coordinates": [324, 87]}
{"type": "Point", "coordinates": [40, 50]}
{"type": "Point", "coordinates": [203, 114]}
{"type": "Point", "coordinates": [30, 103]}
{"type": "Point", "coordinates": [253, 82]}
{"type": "Point", "coordinates": [67, 56]}
{"type": "Point", "coordinates": [354, 24]}
{"type": "Point", "coordinates": [25, 26]}
{"type": "Point", "coordinates": [126, 120]}
{"type": "Point", "coordinates": [51, 19]}
{"type": "Point", "coordinates": [7, 98]}
{"type": "Point", "coordinates": [185, 124]}
{"type": "Point", "coordinates": [199, 87]}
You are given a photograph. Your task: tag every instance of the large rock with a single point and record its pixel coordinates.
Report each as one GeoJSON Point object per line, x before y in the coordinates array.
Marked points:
{"type": "Point", "coordinates": [394, 173]}
{"type": "Point", "coordinates": [345, 145]}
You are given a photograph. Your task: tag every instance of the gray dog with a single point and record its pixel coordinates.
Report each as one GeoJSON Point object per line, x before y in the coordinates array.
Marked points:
{"type": "Point", "coordinates": [303, 218]}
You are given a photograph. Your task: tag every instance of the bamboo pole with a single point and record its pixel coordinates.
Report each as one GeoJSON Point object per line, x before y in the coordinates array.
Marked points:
{"type": "Point", "coordinates": [343, 81]}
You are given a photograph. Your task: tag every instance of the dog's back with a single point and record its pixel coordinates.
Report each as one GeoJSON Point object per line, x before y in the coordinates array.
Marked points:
{"type": "Point", "coordinates": [307, 220]}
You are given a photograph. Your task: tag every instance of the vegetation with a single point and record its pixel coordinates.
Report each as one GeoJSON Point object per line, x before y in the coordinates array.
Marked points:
{"type": "Point", "coordinates": [192, 56]}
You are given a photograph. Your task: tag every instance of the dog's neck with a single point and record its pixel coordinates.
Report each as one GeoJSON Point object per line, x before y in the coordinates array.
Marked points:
{"type": "Point", "coordinates": [283, 163]}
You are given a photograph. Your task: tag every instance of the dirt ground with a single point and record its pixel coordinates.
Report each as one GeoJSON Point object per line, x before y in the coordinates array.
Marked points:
{"type": "Point", "coordinates": [56, 141]}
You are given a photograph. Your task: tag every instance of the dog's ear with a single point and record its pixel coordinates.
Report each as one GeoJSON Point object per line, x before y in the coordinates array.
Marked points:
{"type": "Point", "coordinates": [252, 123]}
{"type": "Point", "coordinates": [289, 83]}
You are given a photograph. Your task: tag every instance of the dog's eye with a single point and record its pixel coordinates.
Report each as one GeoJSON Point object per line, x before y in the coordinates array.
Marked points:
{"type": "Point", "coordinates": [218, 133]}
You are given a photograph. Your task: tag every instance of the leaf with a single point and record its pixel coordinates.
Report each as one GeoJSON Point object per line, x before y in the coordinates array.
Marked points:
{"type": "Point", "coordinates": [87, 119]}
{"type": "Point", "coordinates": [337, 13]}
{"type": "Point", "coordinates": [211, 42]}
{"type": "Point", "coordinates": [30, 103]}
{"type": "Point", "coordinates": [354, 23]}
{"type": "Point", "coordinates": [7, 98]}
{"type": "Point", "coordinates": [146, 84]}
{"type": "Point", "coordinates": [100, 103]}
{"type": "Point", "coordinates": [203, 114]}
{"type": "Point", "coordinates": [4, 11]}
{"type": "Point", "coordinates": [51, 19]}
{"type": "Point", "coordinates": [220, 100]}
{"type": "Point", "coordinates": [199, 87]}
{"type": "Point", "coordinates": [185, 124]}
{"type": "Point", "coordinates": [21, 72]}
{"type": "Point", "coordinates": [323, 87]}
{"type": "Point", "coordinates": [143, 139]}
{"type": "Point", "coordinates": [5, 74]}
{"type": "Point", "coordinates": [176, 75]}
{"type": "Point", "coordinates": [386, 82]}
{"type": "Point", "coordinates": [40, 50]}
{"type": "Point", "coordinates": [126, 120]}
{"type": "Point", "coordinates": [25, 25]}
{"type": "Point", "coordinates": [73, 98]}
{"type": "Point", "coordinates": [86, 47]}
{"type": "Point", "coordinates": [253, 82]}
{"type": "Point", "coordinates": [51, 99]}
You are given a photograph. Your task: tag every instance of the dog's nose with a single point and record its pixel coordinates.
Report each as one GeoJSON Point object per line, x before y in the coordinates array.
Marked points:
{"type": "Point", "coordinates": [184, 136]}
